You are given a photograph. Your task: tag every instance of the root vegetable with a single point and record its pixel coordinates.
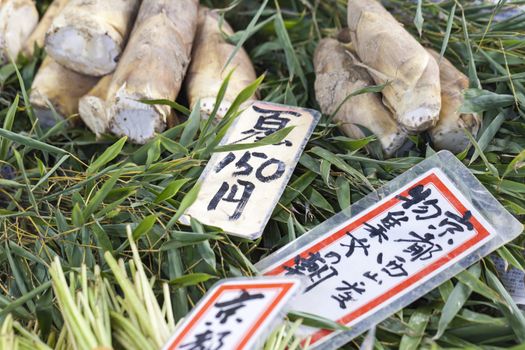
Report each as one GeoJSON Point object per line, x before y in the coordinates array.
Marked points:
{"type": "Point", "coordinates": [207, 70]}
{"type": "Point", "coordinates": [92, 107]}
{"type": "Point", "coordinates": [449, 132]}
{"type": "Point", "coordinates": [88, 36]}
{"type": "Point", "coordinates": [393, 55]}
{"type": "Point", "coordinates": [59, 87]}
{"type": "Point", "coordinates": [337, 76]}
{"type": "Point", "coordinates": [39, 34]}
{"type": "Point", "coordinates": [18, 18]}
{"type": "Point", "coordinates": [152, 67]}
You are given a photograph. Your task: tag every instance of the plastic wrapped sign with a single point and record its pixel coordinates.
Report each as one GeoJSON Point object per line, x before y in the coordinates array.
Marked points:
{"type": "Point", "coordinates": [235, 314]}
{"type": "Point", "coordinates": [240, 189]}
{"type": "Point", "coordinates": [393, 246]}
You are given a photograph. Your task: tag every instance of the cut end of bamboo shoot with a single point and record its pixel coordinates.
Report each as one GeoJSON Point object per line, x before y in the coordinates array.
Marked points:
{"type": "Point", "coordinates": [90, 53]}
{"type": "Point", "coordinates": [89, 36]}
{"type": "Point", "coordinates": [18, 18]}
{"type": "Point", "coordinates": [152, 67]}
{"type": "Point", "coordinates": [136, 120]}
{"type": "Point", "coordinates": [451, 135]}
{"type": "Point", "coordinates": [39, 34]}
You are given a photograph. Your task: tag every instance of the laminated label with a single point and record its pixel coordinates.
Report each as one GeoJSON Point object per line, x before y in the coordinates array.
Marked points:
{"type": "Point", "coordinates": [235, 314]}
{"type": "Point", "coordinates": [396, 245]}
{"type": "Point", "coordinates": [240, 188]}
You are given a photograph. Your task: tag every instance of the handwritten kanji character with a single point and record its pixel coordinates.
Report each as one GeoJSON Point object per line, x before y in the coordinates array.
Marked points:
{"type": "Point", "coordinates": [232, 197]}
{"type": "Point", "coordinates": [348, 290]}
{"type": "Point", "coordinates": [417, 195]}
{"type": "Point", "coordinates": [394, 218]}
{"type": "Point", "coordinates": [394, 268]}
{"type": "Point", "coordinates": [269, 122]}
{"type": "Point", "coordinates": [422, 247]}
{"type": "Point", "coordinates": [378, 231]}
{"type": "Point", "coordinates": [206, 341]}
{"type": "Point", "coordinates": [314, 266]}
{"type": "Point", "coordinates": [424, 209]}
{"type": "Point", "coordinates": [356, 243]}
{"type": "Point", "coordinates": [229, 308]}
{"type": "Point", "coordinates": [455, 223]}
{"type": "Point", "coordinates": [373, 277]}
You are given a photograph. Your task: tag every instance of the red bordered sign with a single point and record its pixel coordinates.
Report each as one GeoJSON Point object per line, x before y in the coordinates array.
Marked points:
{"type": "Point", "coordinates": [235, 314]}
{"type": "Point", "coordinates": [364, 264]}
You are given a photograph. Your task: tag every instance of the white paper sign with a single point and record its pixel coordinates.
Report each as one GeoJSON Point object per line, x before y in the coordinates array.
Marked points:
{"type": "Point", "coordinates": [235, 314]}
{"type": "Point", "coordinates": [364, 264]}
{"type": "Point", "coordinates": [240, 189]}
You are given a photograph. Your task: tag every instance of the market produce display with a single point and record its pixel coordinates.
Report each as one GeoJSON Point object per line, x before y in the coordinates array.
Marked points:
{"type": "Point", "coordinates": [212, 175]}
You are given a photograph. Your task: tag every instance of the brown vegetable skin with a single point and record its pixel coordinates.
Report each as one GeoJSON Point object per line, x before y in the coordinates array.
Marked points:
{"type": "Point", "coordinates": [337, 76]}
{"type": "Point", "coordinates": [39, 34]}
{"type": "Point", "coordinates": [60, 87]}
{"type": "Point", "coordinates": [393, 55]}
{"type": "Point", "coordinates": [92, 107]}
{"type": "Point", "coordinates": [152, 67]}
{"type": "Point", "coordinates": [449, 132]}
{"type": "Point", "coordinates": [18, 18]}
{"type": "Point", "coordinates": [207, 70]}
{"type": "Point", "coordinates": [88, 36]}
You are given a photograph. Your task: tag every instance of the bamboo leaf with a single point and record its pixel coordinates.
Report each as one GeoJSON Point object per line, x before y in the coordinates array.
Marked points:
{"type": "Point", "coordinates": [191, 279]}
{"type": "Point", "coordinates": [29, 142]}
{"type": "Point", "coordinates": [111, 153]}
{"type": "Point", "coordinates": [186, 202]}
{"type": "Point", "coordinates": [171, 190]}
{"type": "Point", "coordinates": [271, 139]}
{"type": "Point", "coordinates": [315, 321]}
{"type": "Point", "coordinates": [418, 20]}
{"type": "Point", "coordinates": [8, 124]}
{"type": "Point", "coordinates": [144, 227]}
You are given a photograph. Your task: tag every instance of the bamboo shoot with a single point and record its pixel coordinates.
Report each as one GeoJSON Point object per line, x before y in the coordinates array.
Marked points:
{"type": "Point", "coordinates": [337, 76]}
{"type": "Point", "coordinates": [39, 34]}
{"type": "Point", "coordinates": [393, 56]}
{"type": "Point", "coordinates": [449, 132]}
{"type": "Point", "coordinates": [207, 70]}
{"type": "Point", "coordinates": [59, 87]}
{"type": "Point", "coordinates": [18, 18]}
{"type": "Point", "coordinates": [152, 67]}
{"type": "Point", "coordinates": [92, 107]}
{"type": "Point", "coordinates": [88, 36]}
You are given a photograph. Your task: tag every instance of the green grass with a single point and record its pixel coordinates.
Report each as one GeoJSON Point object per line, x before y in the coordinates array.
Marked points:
{"type": "Point", "coordinates": [65, 194]}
